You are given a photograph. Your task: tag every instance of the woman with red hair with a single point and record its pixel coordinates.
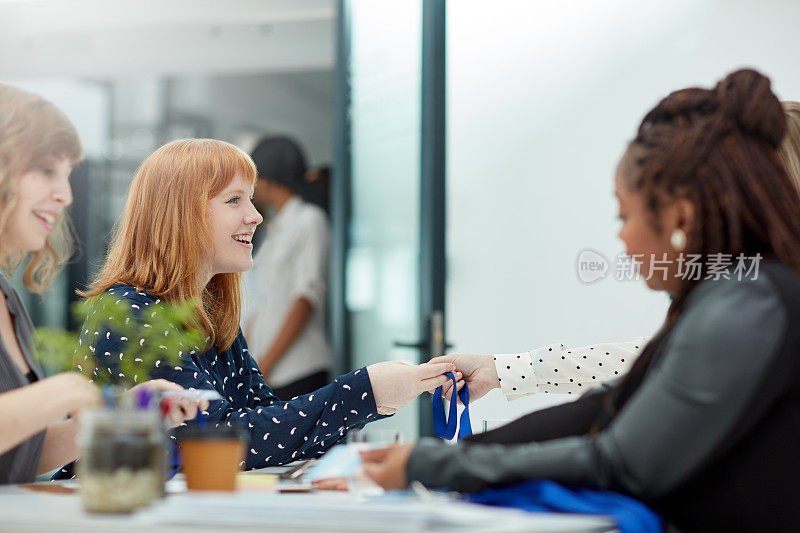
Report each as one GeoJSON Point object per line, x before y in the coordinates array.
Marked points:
{"type": "Point", "coordinates": [185, 236]}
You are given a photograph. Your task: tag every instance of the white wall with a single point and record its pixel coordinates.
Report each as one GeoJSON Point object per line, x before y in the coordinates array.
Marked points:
{"type": "Point", "coordinates": [542, 99]}
{"type": "Point", "coordinates": [106, 38]}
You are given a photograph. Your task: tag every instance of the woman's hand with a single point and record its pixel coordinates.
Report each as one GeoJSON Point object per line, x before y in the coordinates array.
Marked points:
{"type": "Point", "coordinates": [78, 391]}
{"type": "Point", "coordinates": [479, 373]}
{"type": "Point", "coordinates": [387, 466]}
{"type": "Point", "coordinates": [180, 410]}
{"type": "Point", "coordinates": [396, 384]}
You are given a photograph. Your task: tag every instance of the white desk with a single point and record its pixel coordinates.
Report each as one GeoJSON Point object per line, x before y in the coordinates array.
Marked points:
{"type": "Point", "coordinates": [26, 510]}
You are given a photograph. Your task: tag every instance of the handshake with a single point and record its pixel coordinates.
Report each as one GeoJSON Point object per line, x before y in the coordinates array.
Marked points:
{"type": "Point", "coordinates": [396, 384]}
{"type": "Point", "coordinates": [477, 371]}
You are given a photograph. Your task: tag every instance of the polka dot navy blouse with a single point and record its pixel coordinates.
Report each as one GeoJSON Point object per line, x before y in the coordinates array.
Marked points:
{"type": "Point", "coordinates": [280, 431]}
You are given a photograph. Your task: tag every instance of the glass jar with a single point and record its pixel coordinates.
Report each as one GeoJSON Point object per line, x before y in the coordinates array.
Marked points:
{"type": "Point", "coordinates": [123, 461]}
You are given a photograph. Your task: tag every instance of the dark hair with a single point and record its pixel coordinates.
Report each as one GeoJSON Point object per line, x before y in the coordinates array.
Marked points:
{"type": "Point", "coordinates": [280, 159]}
{"type": "Point", "coordinates": [718, 149]}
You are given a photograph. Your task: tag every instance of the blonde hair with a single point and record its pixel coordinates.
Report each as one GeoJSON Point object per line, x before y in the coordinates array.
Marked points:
{"type": "Point", "coordinates": [33, 133]}
{"type": "Point", "coordinates": [162, 239]}
{"type": "Point", "coordinates": [789, 149]}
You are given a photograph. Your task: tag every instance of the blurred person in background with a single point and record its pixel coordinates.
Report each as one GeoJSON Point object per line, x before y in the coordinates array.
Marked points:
{"type": "Point", "coordinates": [286, 290]}
{"type": "Point", "coordinates": [318, 186]}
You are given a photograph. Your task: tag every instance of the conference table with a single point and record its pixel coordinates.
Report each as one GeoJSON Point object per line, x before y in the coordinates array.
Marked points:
{"type": "Point", "coordinates": [49, 506]}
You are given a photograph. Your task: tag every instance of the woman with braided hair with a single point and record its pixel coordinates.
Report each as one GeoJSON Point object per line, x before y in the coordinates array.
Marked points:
{"type": "Point", "coordinates": [704, 428]}
{"type": "Point", "coordinates": [561, 369]}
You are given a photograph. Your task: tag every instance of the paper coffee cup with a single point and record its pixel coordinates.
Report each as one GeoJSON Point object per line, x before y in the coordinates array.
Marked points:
{"type": "Point", "coordinates": [212, 457]}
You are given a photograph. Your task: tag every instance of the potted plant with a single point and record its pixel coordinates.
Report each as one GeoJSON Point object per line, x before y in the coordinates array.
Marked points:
{"type": "Point", "coordinates": [123, 444]}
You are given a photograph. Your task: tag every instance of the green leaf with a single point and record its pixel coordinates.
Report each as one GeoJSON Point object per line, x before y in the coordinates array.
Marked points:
{"type": "Point", "coordinates": [164, 328]}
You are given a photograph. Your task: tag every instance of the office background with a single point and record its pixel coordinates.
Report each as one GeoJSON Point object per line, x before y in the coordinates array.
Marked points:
{"type": "Point", "coordinates": [538, 99]}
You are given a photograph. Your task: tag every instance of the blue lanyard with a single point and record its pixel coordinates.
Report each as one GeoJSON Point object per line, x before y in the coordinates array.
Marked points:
{"type": "Point", "coordinates": [446, 429]}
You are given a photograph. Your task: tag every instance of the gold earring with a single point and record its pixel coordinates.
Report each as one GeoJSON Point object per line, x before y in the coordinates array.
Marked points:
{"type": "Point", "coordinates": [678, 240]}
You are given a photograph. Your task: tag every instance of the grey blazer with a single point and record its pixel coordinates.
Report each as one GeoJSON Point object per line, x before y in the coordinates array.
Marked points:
{"type": "Point", "coordinates": [718, 354]}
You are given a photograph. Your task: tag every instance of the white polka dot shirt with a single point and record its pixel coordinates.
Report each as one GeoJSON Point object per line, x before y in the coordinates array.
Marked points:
{"type": "Point", "coordinates": [559, 370]}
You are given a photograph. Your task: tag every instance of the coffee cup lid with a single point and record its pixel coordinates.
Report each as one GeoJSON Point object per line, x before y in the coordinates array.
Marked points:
{"type": "Point", "coordinates": [210, 432]}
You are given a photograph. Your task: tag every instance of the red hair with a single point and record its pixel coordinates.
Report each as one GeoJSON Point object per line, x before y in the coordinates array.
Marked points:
{"type": "Point", "coordinates": [161, 242]}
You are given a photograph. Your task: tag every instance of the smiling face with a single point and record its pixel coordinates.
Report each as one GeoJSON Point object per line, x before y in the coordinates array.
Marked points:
{"type": "Point", "coordinates": [233, 220]}
{"type": "Point", "coordinates": [42, 195]}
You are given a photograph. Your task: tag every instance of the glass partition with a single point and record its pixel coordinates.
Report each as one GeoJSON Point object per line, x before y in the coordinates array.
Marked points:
{"type": "Point", "coordinates": [382, 269]}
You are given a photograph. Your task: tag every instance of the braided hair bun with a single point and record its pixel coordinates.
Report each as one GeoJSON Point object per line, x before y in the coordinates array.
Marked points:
{"type": "Point", "coordinates": [743, 100]}
{"type": "Point", "coordinates": [745, 97]}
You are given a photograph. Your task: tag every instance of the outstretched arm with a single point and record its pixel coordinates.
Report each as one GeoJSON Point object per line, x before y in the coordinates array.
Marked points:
{"type": "Point", "coordinates": [554, 368]}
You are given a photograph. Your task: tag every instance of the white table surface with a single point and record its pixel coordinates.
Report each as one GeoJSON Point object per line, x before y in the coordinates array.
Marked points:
{"type": "Point", "coordinates": [25, 510]}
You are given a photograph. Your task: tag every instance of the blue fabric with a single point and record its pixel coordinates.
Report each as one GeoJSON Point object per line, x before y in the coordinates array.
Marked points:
{"type": "Point", "coordinates": [446, 428]}
{"type": "Point", "coordinates": [631, 516]}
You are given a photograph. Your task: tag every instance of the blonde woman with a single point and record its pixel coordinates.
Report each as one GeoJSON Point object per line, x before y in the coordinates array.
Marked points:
{"type": "Point", "coordinates": [38, 148]}
{"type": "Point", "coordinates": [185, 234]}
